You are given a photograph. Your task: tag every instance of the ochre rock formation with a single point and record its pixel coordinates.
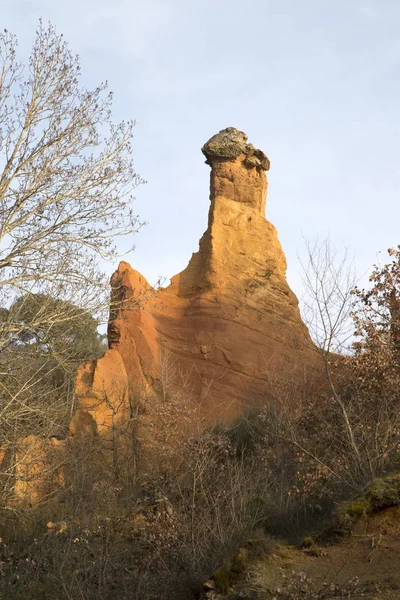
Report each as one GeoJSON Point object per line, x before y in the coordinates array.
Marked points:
{"type": "Point", "coordinates": [224, 336]}
{"type": "Point", "coordinates": [228, 325]}
{"type": "Point", "coordinates": [102, 389]}
{"type": "Point", "coordinates": [37, 470]}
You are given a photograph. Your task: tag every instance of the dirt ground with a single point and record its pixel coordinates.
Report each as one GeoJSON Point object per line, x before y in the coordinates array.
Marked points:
{"type": "Point", "coordinates": [365, 565]}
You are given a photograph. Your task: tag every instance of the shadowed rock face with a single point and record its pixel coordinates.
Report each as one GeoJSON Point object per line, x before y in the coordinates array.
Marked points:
{"type": "Point", "coordinates": [228, 325]}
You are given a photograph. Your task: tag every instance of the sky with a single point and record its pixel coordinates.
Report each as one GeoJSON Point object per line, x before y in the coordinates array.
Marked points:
{"type": "Point", "coordinates": [315, 84]}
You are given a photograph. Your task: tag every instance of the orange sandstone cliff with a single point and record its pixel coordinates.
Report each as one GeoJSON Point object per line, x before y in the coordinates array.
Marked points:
{"type": "Point", "coordinates": [223, 329]}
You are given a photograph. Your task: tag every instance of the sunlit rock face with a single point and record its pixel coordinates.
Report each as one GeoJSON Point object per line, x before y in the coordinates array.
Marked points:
{"type": "Point", "coordinates": [226, 335]}
{"type": "Point", "coordinates": [227, 329]}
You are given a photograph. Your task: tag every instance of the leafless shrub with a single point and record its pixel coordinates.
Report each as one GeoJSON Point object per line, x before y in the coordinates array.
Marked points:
{"type": "Point", "coordinates": [359, 414]}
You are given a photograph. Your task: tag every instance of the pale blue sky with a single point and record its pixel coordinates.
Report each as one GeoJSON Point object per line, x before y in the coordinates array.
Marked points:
{"type": "Point", "coordinates": [315, 84]}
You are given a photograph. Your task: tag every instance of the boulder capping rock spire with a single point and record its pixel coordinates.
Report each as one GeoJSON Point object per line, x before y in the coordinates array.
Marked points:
{"type": "Point", "coordinates": [229, 144]}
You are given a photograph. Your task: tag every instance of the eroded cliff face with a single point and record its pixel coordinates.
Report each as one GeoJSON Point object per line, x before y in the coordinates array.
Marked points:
{"type": "Point", "coordinates": [228, 325]}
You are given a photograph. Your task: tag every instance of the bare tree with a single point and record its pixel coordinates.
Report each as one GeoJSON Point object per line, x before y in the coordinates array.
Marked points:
{"type": "Point", "coordinates": [329, 280]}
{"type": "Point", "coordinates": [356, 332]}
{"type": "Point", "coordinates": [326, 302]}
{"type": "Point", "coordinates": [66, 185]}
{"type": "Point", "coordinates": [66, 176]}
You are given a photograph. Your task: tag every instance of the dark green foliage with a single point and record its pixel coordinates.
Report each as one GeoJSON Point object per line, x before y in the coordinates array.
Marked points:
{"type": "Point", "coordinates": [42, 342]}
{"type": "Point", "coordinates": [49, 324]}
{"type": "Point", "coordinates": [378, 495]}
{"type": "Point", "coordinates": [231, 571]}
{"type": "Point", "coordinates": [245, 432]}
{"type": "Point", "coordinates": [383, 493]}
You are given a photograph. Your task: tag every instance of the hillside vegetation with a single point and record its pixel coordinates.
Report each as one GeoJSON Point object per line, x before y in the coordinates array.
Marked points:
{"type": "Point", "coordinates": [214, 449]}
